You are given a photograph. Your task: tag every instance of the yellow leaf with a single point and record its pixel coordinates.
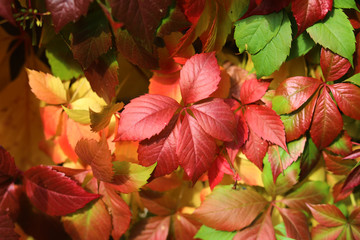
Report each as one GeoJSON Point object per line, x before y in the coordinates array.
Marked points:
{"type": "Point", "coordinates": [102, 119]}
{"type": "Point", "coordinates": [78, 115]}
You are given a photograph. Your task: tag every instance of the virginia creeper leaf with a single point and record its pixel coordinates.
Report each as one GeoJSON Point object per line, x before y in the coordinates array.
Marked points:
{"type": "Point", "coordinates": [224, 205]}
{"type": "Point", "coordinates": [154, 228]}
{"type": "Point", "coordinates": [185, 227]}
{"type": "Point", "coordinates": [337, 28]}
{"type": "Point", "coordinates": [147, 110]}
{"type": "Point", "coordinates": [217, 170]}
{"type": "Point", "coordinates": [8, 170]}
{"type": "Point", "coordinates": [345, 4]}
{"type": "Point", "coordinates": [327, 215]}
{"type": "Point", "coordinates": [320, 232]}
{"type": "Point", "coordinates": [342, 145]}
{"type": "Point", "coordinates": [98, 156]}
{"type": "Point", "coordinates": [308, 12]}
{"type": "Point", "coordinates": [237, 9]}
{"type": "Point", "coordinates": [215, 118]}
{"type": "Point", "coordinates": [352, 180]}
{"type": "Point", "coordinates": [50, 116]}
{"type": "Point", "coordinates": [333, 66]}
{"type": "Point", "coordinates": [161, 204]}
{"type": "Point", "coordinates": [54, 193]}
{"type": "Point", "coordinates": [7, 227]}
{"type": "Point", "coordinates": [195, 148]}
{"type": "Point", "coordinates": [253, 90]}
{"type": "Point", "coordinates": [355, 79]}
{"type": "Point", "coordinates": [255, 149]}
{"type": "Point", "coordinates": [213, 234]}
{"type": "Point", "coordinates": [338, 165]}
{"type": "Point", "coordinates": [309, 158]}
{"type": "Point", "coordinates": [295, 223]}
{"type": "Point", "coordinates": [199, 77]}
{"type": "Point", "coordinates": [265, 7]}
{"type": "Point", "coordinates": [347, 96]}
{"type": "Point", "coordinates": [100, 120]}
{"type": "Point", "coordinates": [327, 121]}
{"type": "Point", "coordinates": [301, 45]}
{"type": "Point", "coordinates": [47, 87]}
{"type": "Point", "coordinates": [78, 115]}
{"type": "Point", "coordinates": [354, 217]}
{"type": "Point", "coordinates": [266, 124]}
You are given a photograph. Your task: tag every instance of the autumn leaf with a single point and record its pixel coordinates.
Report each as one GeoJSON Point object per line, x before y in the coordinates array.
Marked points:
{"type": "Point", "coordinates": [333, 66]}
{"type": "Point", "coordinates": [154, 228]}
{"type": "Point", "coordinates": [327, 215]}
{"type": "Point", "coordinates": [347, 96]}
{"type": "Point", "coordinates": [100, 120]}
{"type": "Point", "coordinates": [295, 223]}
{"type": "Point", "coordinates": [8, 170]}
{"type": "Point", "coordinates": [253, 90]}
{"type": "Point", "coordinates": [7, 227]}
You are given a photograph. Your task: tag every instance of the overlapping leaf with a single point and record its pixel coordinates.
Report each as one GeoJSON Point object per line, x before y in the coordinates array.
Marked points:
{"type": "Point", "coordinates": [347, 97]}
{"type": "Point", "coordinates": [295, 223]}
{"type": "Point", "coordinates": [333, 66]}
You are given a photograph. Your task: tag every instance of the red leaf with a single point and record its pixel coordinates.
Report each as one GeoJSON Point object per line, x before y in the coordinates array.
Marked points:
{"type": "Point", "coordinates": [347, 96]}
{"type": "Point", "coordinates": [50, 116]}
{"type": "Point", "coordinates": [7, 227]}
{"type": "Point", "coordinates": [354, 217]}
{"type": "Point", "coordinates": [265, 123]}
{"type": "Point", "coordinates": [293, 93]}
{"type": "Point", "coordinates": [338, 165]}
{"type": "Point", "coordinates": [353, 155]}
{"type": "Point", "coordinates": [53, 192]}
{"type": "Point", "coordinates": [185, 227]}
{"type": "Point", "coordinates": [195, 148]}
{"type": "Point", "coordinates": [199, 77]}
{"type": "Point", "coordinates": [6, 11]}
{"type": "Point", "coordinates": [98, 156]}
{"type": "Point", "coordinates": [333, 66]}
{"type": "Point", "coordinates": [215, 118]}
{"type": "Point", "coordinates": [8, 170]}
{"type": "Point", "coordinates": [327, 122]}
{"type": "Point", "coordinates": [352, 180]}
{"type": "Point", "coordinates": [63, 11]}
{"type": "Point", "coordinates": [255, 149]}
{"type": "Point", "coordinates": [161, 204]}
{"type": "Point", "coordinates": [10, 200]}
{"type": "Point", "coordinates": [154, 228]}
{"type": "Point", "coordinates": [161, 149]}
{"type": "Point", "coordinates": [253, 90]}
{"type": "Point", "coordinates": [264, 7]}
{"type": "Point", "coordinates": [320, 232]}
{"type": "Point", "coordinates": [222, 208]}
{"type": "Point", "coordinates": [166, 84]}
{"type": "Point", "coordinates": [338, 193]}
{"type": "Point", "coordinates": [327, 215]}
{"type": "Point", "coordinates": [342, 145]}
{"type": "Point", "coordinates": [295, 223]}
{"type": "Point", "coordinates": [217, 170]}
{"type": "Point", "coordinates": [193, 9]}
{"type": "Point", "coordinates": [308, 12]}
{"type": "Point", "coordinates": [141, 113]}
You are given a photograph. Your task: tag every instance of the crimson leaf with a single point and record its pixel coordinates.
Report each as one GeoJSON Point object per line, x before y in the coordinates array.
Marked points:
{"type": "Point", "coordinates": [253, 90]}
{"type": "Point", "coordinates": [255, 149]}
{"type": "Point", "coordinates": [295, 223]}
{"type": "Point", "coordinates": [352, 180]}
{"type": "Point", "coordinates": [333, 66]}
{"type": "Point", "coordinates": [347, 96]}
{"type": "Point", "coordinates": [8, 170]}
{"type": "Point", "coordinates": [7, 227]}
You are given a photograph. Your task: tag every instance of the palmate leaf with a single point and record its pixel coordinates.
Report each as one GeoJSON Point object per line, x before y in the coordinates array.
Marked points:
{"type": "Point", "coordinates": [223, 206]}
{"type": "Point", "coordinates": [347, 96]}
{"type": "Point", "coordinates": [253, 90]}
{"type": "Point", "coordinates": [53, 192]}
{"type": "Point", "coordinates": [333, 66]}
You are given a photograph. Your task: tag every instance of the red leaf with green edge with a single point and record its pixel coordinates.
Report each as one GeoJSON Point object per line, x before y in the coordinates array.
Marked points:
{"type": "Point", "coordinates": [195, 148]}
{"type": "Point", "coordinates": [327, 215]}
{"type": "Point", "coordinates": [320, 232]}
{"type": "Point", "coordinates": [298, 123]}
{"type": "Point", "coordinates": [310, 192]}
{"type": "Point", "coordinates": [293, 93]}
{"type": "Point", "coordinates": [280, 160]}
{"type": "Point", "coordinates": [262, 229]}
{"type": "Point", "coordinates": [98, 156]}
{"type": "Point", "coordinates": [255, 149]}
{"type": "Point", "coordinates": [147, 110]}
{"type": "Point", "coordinates": [339, 194]}
{"type": "Point", "coordinates": [119, 211]}
{"type": "Point", "coordinates": [8, 170]}
{"type": "Point", "coordinates": [352, 180]}
{"type": "Point", "coordinates": [253, 90]}
{"type": "Point", "coordinates": [308, 12]}
{"type": "Point", "coordinates": [161, 149]}
{"type": "Point", "coordinates": [354, 217]}
{"type": "Point", "coordinates": [185, 227]}
{"type": "Point", "coordinates": [129, 177]}
{"type": "Point", "coordinates": [141, 18]}
{"type": "Point", "coordinates": [154, 228]}
{"type": "Point", "coordinates": [93, 222]}
{"type": "Point", "coordinates": [337, 165]}
{"type": "Point", "coordinates": [215, 118]}
{"type": "Point", "coordinates": [223, 206]}
{"type": "Point", "coordinates": [347, 96]}
{"type": "Point", "coordinates": [333, 66]}
{"type": "Point", "coordinates": [7, 227]}
{"type": "Point", "coordinates": [54, 193]}
{"type": "Point", "coordinates": [217, 170]}
{"type": "Point", "coordinates": [309, 158]}
{"type": "Point", "coordinates": [327, 121]}
{"type": "Point", "coordinates": [64, 12]}
{"type": "Point", "coordinates": [295, 223]}
{"type": "Point", "coordinates": [265, 123]}
{"type": "Point", "coordinates": [342, 145]}
{"type": "Point", "coordinates": [103, 76]}
{"type": "Point", "coordinates": [199, 77]}
{"type": "Point", "coordinates": [6, 11]}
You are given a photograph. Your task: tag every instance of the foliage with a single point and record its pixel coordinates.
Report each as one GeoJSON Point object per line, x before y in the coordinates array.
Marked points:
{"type": "Point", "coordinates": [159, 119]}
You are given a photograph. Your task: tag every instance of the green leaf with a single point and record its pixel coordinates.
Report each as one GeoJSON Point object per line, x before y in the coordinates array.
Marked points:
{"type": "Point", "coordinates": [208, 233]}
{"type": "Point", "coordinates": [253, 33]}
{"type": "Point", "coordinates": [275, 52]}
{"type": "Point", "coordinates": [282, 230]}
{"type": "Point", "coordinates": [301, 45]}
{"type": "Point", "coordinates": [355, 79]}
{"type": "Point", "coordinates": [309, 158]}
{"type": "Point", "coordinates": [335, 33]}
{"type": "Point", "coordinates": [238, 9]}
{"type": "Point", "coordinates": [345, 4]}
{"type": "Point", "coordinates": [78, 115]}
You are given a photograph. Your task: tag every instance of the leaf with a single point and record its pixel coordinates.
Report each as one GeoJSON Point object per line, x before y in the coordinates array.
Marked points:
{"type": "Point", "coordinates": [295, 223]}
{"type": "Point", "coordinates": [338, 165]}
{"type": "Point", "coordinates": [167, 85]}
{"type": "Point", "coordinates": [353, 155]}
{"type": "Point", "coordinates": [185, 227]}
{"type": "Point", "coordinates": [266, 7]}
{"type": "Point", "coordinates": [253, 90]}
{"type": "Point", "coordinates": [253, 33]}
{"type": "Point", "coordinates": [352, 180]}
{"type": "Point", "coordinates": [310, 192]}
{"type": "Point", "coordinates": [347, 97]}
{"type": "Point", "coordinates": [6, 11]}
{"type": "Point", "coordinates": [275, 52]}
{"type": "Point", "coordinates": [63, 12]}
{"type": "Point", "coordinates": [349, 4]}
{"type": "Point", "coordinates": [237, 9]}
{"type": "Point", "coordinates": [215, 118]}
{"type": "Point", "coordinates": [301, 45]}
{"type": "Point", "coordinates": [7, 227]}
{"type": "Point", "coordinates": [78, 115]}
{"type": "Point", "coordinates": [337, 28]}
{"type": "Point", "coordinates": [333, 66]}
{"type": "Point", "coordinates": [213, 234]}
{"type": "Point", "coordinates": [129, 177]}
{"type": "Point", "coordinates": [54, 193]}
{"type": "Point", "coordinates": [221, 208]}
{"type": "Point", "coordinates": [355, 79]}
{"type": "Point", "coordinates": [8, 170]}
{"type": "Point", "coordinates": [320, 232]}
{"type": "Point", "coordinates": [255, 149]}
{"type": "Point", "coordinates": [161, 204]}
{"type": "Point", "coordinates": [217, 170]}
{"type": "Point", "coordinates": [154, 228]}
{"type": "Point", "coordinates": [147, 110]}
{"type": "Point", "coordinates": [309, 158]}
{"type": "Point", "coordinates": [98, 156]}
{"type": "Point", "coordinates": [308, 12]}
{"type": "Point", "coordinates": [266, 124]}
{"type": "Point", "coordinates": [341, 146]}
{"type": "Point", "coordinates": [47, 87]}
{"type": "Point", "coordinates": [195, 148]}
{"type": "Point", "coordinates": [327, 215]}
{"type": "Point", "coordinates": [327, 121]}
{"type": "Point", "coordinates": [354, 217]}
{"type": "Point", "coordinates": [100, 120]}
{"type": "Point", "coordinates": [91, 223]}
{"type": "Point", "coordinates": [293, 93]}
